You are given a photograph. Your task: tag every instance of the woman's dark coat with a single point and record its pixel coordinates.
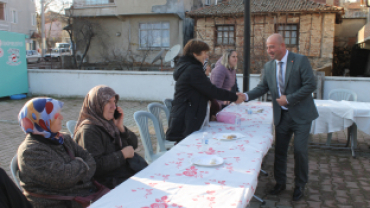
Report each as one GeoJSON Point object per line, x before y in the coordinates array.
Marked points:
{"type": "Point", "coordinates": [111, 167]}
{"type": "Point", "coordinates": [192, 92]}
{"type": "Point", "coordinates": [46, 168]}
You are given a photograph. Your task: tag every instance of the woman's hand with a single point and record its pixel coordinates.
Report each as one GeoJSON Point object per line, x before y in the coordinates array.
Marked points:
{"type": "Point", "coordinates": [128, 152]}
{"type": "Point", "coordinates": [119, 121]}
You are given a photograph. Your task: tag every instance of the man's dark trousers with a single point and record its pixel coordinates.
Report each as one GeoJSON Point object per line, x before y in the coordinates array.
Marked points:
{"type": "Point", "coordinates": [283, 134]}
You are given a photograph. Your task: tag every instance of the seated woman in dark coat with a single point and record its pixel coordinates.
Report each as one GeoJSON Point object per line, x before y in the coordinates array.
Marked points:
{"type": "Point", "coordinates": [45, 165]}
{"type": "Point", "coordinates": [193, 90]}
{"type": "Point", "coordinates": [106, 138]}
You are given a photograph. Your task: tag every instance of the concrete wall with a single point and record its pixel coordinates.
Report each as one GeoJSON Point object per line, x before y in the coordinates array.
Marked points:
{"type": "Point", "coordinates": [346, 32]}
{"type": "Point", "coordinates": [24, 10]}
{"type": "Point", "coordinates": [107, 45]}
{"type": "Point", "coordinates": [153, 86]}
{"type": "Point", "coordinates": [149, 86]}
{"type": "Point", "coordinates": [133, 7]}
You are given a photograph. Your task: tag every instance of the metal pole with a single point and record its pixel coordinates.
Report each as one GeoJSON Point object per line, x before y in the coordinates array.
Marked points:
{"type": "Point", "coordinates": [247, 43]}
{"type": "Point", "coordinates": [43, 42]}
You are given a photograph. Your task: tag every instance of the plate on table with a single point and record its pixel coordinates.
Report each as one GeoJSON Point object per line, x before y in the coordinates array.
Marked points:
{"type": "Point", "coordinates": [207, 160]}
{"type": "Point", "coordinates": [230, 137]}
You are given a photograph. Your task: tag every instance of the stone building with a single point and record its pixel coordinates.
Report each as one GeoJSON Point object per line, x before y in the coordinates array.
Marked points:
{"type": "Point", "coordinates": [308, 28]}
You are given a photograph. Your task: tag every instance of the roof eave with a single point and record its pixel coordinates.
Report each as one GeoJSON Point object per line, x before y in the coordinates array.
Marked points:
{"type": "Point", "coordinates": [238, 14]}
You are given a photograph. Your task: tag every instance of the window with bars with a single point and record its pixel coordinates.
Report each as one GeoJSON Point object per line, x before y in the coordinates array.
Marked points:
{"type": "Point", "coordinates": [2, 11]}
{"type": "Point", "coordinates": [225, 35]}
{"type": "Point", "coordinates": [289, 33]}
{"type": "Point", "coordinates": [154, 35]}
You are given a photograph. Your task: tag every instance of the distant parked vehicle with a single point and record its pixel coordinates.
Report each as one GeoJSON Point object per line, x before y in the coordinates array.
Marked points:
{"type": "Point", "coordinates": [63, 45]}
{"type": "Point", "coordinates": [32, 56]}
{"type": "Point", "coordinates": [57, 53]}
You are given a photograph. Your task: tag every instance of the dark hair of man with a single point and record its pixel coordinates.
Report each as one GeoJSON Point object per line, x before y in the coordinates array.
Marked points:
{"type": "Point", "coordinates": [195, 46]}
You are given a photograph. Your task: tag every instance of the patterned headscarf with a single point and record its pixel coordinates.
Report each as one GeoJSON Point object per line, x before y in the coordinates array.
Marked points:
{"type": "Point", "coordinates": [38, 116]}
{"type": "Point", "coordinates": [92, 111]}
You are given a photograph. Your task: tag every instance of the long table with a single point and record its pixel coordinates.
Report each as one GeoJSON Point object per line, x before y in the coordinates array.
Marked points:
{"type": "Point", "coordinates": [173, 181]}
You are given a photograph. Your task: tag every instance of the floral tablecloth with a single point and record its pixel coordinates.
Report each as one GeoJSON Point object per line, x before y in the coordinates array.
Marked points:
{"type": "Point", "coordinates": [173, 181]}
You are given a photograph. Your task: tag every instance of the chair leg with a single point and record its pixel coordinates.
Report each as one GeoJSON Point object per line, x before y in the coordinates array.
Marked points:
{"type": "Point", "coordinates": [259, 199]}
{"type": "Point", "coordinates": [264, 172]}
{"type": "Point", "coordinates": [328, 139]}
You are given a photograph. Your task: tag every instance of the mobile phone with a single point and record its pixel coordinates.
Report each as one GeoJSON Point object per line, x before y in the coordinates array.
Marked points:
{"type": "Point", "coordinates": [116, 114]}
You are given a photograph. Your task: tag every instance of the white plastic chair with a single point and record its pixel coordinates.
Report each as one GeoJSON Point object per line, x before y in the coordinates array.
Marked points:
{"type": "Point", "coordinates": [15, 170]}
{"type": "Point", "coordinates": [142, 121]}
{"type": "Point", "coordinates": [342, 94]}
{"type": "Point", "coordinates": [168, 103]}
{"type": "Point", "coordinates": [338, 95]}
{"type": "Point", "coordinates": [71, 124]}
{"type": "Point", "coordinates": [156, 109]}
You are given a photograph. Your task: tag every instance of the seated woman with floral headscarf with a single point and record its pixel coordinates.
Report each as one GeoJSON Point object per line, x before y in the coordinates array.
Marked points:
{"type": "Point", "coordinates": [106, 138]}
{"type": "Point", "coordinates": [51, 163]}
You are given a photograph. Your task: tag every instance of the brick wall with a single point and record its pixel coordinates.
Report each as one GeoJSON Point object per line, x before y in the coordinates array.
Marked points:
{"type": "Point", "coordinates": [316, 37]}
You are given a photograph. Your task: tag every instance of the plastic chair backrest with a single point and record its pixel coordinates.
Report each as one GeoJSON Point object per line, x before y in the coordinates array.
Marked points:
{"type": "Point", "coordinates": [168, 103]}
{"type": "Point", "coordinates": [15, 170]}
{"type": "Point", "coordinates": [342, 94]}
{"type": "Point", "coordinates": [142, 121]}
{"type": "Point", "coordinates": [155, 109]}
{"type": "Point", "coordinates": [71, 124]}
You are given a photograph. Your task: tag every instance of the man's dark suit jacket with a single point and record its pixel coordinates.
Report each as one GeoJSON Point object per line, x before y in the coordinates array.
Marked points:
{"type": "Point", "coordinates": [299, 85]}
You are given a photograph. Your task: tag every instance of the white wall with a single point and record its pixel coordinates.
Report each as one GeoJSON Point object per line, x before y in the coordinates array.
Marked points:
{"type": "Point", "coordinates": [149, 86]}
{"type": "Point", "coordinates": [76, 83]}
{"type": "Point", "coordinates": [359, 85]}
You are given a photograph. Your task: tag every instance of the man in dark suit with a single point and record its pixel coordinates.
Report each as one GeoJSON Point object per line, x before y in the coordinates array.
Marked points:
{"type": "Point", "coordinates": [290, 80]}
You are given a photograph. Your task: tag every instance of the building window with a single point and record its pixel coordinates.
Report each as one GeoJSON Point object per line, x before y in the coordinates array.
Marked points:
{"type": "Point", "coordinates": [98, 2]}
{"type": "Point", "coordinates": [154, 35]}
{"type": "Point", "coordinates": [290, 33]}
{"type": "Point", "coordinates": [2, 11]}
{"type": "Point", "coordinates": [34, 19]}
{"type": "Point", "coordinates": [14, 16]}
{"type": "Point", "coordinates": [225, 35]}
{"type": "Point", "coordinates": [207, 2]}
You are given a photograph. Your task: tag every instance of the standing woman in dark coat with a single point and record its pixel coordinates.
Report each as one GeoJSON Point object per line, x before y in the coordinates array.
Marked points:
{"type": "Point", "coordinates": [106, 138]}
{"type": "Point", "coordinates": [193, 90]}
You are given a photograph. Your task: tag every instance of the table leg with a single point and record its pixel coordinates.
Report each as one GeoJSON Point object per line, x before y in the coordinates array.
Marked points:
{"type": "Point", "coordinates": [353, 138]}
{"type": "Point", "coordinates": [328, 139]}
{"type": "Point", "coordinates": [349, 129]}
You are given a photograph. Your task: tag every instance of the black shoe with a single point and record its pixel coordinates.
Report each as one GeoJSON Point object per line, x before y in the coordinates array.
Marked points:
{"type": "Point", "coordinates": [298, 193]}
{"type": "Point", "coordinates": [277, 189]}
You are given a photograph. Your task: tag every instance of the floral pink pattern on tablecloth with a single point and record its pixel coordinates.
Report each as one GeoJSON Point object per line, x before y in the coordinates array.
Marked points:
{"type": "Point", "coordinates": [163, 202]}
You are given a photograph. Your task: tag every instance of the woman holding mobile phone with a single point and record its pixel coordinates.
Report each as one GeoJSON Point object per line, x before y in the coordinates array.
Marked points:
{"type": "Point", "coordinates": [100, 130]}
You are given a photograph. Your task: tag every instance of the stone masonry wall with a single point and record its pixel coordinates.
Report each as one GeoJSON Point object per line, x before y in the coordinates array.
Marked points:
{"type": "Point", "coordinates": [316, 37]}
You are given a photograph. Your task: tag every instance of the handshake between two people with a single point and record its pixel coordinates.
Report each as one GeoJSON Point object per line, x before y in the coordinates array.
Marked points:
{"type": "Point", "coordinates": [241, 97]}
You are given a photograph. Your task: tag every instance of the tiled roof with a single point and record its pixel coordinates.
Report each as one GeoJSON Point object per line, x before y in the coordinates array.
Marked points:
{"type": "Point", "coordinates": [236, 7]}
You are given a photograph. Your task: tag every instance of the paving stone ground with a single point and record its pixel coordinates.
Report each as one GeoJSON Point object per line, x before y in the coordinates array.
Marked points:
{"type": "Point", "coordinates": [335, 178]}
